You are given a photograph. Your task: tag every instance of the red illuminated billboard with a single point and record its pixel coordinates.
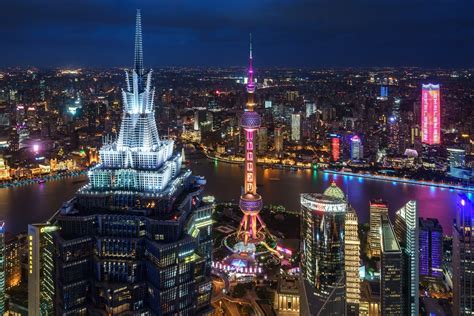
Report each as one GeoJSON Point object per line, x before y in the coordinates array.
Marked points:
{"type": "Point", "coordinates": [430, 114]}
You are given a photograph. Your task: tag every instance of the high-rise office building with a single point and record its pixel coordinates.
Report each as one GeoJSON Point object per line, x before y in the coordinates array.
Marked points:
{"type": "Point", "coordinates": [383, 93]}
{"type": "Point", "coordinates": [356, 148]}
{"type": "Point", "coordinates": [15, 247]}
{"type": "Point", "coordinates": [136, 239]}
{"type": "Point", "coordinates": [456, 157]}
{"type": "Point", "coordinates": [329, 254]}
{"type": "Point", "coordinates": [352, 262]}
{"type": "Point", "coordinates": [41, 269]}
{"type": "Point", "coordinates": [278, 139]}
{"type": "Point", "coordinates": [463, 258]}
{"type": "Point", "coordinates": [335, 147]}
{"type": "Point", "coordinates": [391, 264]}
{"type": "Point", "coordinates": [377, 208]}
{"type": "Point", "coordinates": [310, 108]}
{"type": "Point", "coordinates": [430, 114]}
{"type": "Point", "coordinates": [431, 248]}
{"type": "Point", "coordinates": [200, 117]}
{"type": "Point", "coordinates": [407, 232]}
{"type": "Point", "coordinates": [262, 140]}
{"type": "Point", "coordinates": [296, 122]}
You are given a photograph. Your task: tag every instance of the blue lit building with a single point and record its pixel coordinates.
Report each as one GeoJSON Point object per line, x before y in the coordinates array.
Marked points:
{"type": "Point", "coordinates": [356, 148]}
{"type": "Point", "coordinates": [431, 248]}
{"type": "Point", "coordinates": [463, 258]}
{"type": "Point", "coordinates": [136, 240]}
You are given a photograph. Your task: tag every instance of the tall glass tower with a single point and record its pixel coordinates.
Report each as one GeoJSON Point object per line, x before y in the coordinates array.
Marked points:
{"type": "Point", "coordinates": [136, 240]}
{"type": "Point", "coordinates": [330, 253]}
{"type": "Point", "coordinates": [407, 232]}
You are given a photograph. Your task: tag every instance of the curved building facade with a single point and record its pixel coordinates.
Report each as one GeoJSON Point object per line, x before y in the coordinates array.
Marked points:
{"type": "Point", "coordinates": [330, 252]}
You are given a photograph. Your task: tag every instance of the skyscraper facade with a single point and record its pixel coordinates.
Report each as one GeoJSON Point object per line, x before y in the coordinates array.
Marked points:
{"type": "Point", "coordinates": [330, 255]}
{"type": "Point", "coordinates": [430, 114]}
{"type": "Point", "coordinates": [351, 262]}
{"type": "Point", "coordinates": [456, 157]}
{"type": "Point", "coordinates": [136, 239]}
{"type": "Point", "coordinates": [278, 138]}
{"type": "Point", "coordinates": [431, 248]}
{"type": "Point", "coordinates": [390, 271]}
{"type": "Point", "coordinates": [296, 122]}
{"type": "Point", "coordinates": [15, 247]}
{"type": "Point", "coordinates": [335, 147]}
{"type": "Point", "coordinates": [377, 208]}
{"type": "Point", "coordinates": [41, 265]}
{"type": "Point", "coordinates": [356, 148]}
{"type": "Point", "coordinates": [463, 258]}
{"type": "Point", "coordinates": [262, 140]}
{"type": "Point", "coordinates": [407, 232]}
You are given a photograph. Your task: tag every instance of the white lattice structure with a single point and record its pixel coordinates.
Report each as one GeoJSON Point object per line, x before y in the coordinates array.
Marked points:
{"type": "Point", "coordinates": [138, 160]}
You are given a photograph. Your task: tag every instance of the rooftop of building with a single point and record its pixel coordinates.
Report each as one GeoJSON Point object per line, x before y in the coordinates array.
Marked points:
{"type": "Point", "coordinates": [378, 203]}
{"type": "Point", "coordinates": [430, 223]}
{"type": "Point", "coordinates": [334, 191]}
{"type": "Point", "coordinates": [389, 241]}
{"type": "Point", "coordinates": [288, 285]}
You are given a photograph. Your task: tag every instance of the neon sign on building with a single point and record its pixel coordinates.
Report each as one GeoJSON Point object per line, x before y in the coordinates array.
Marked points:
{"type": "Point", "coordinates": [430, 114]}
{"type": "Point", "coordinates": [249, 161]}
{"type": "Point", "coordinates": [335, 148]}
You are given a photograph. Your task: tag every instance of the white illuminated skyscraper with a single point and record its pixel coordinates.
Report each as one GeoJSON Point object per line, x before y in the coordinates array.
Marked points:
{"type": "Point", "coordinates": [407, 231]}
{"type": "Point", "coordinates": [356, 148]}
{"type": "Point", "coordinates": [135, 240]}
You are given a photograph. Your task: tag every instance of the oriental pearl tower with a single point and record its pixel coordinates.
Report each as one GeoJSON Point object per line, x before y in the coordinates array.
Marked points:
{"type": "Point", "coordinates": [251, 230]}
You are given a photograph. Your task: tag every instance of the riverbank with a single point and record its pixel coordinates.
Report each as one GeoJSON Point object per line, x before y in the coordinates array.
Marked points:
{"type": "Point", "coordinates": [259, 163]}
{"type": "Point", "coordinates": [401, 180]}
{"type": "Point", "coordinates": [42, 179]}
{"type": "Point", "coordinates": [346, 173]}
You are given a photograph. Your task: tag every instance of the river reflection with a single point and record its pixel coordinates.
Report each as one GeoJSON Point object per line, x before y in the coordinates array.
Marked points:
{"type": "Point", "coordinates": [38, 202]}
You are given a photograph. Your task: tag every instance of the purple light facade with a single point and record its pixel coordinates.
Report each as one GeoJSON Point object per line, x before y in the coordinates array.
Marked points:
{"type": "Point", "coordinates": [251, 228]}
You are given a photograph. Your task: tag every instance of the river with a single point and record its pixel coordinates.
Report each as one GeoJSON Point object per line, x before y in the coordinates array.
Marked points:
{"type": "Point", "coordinates": [37, 202]}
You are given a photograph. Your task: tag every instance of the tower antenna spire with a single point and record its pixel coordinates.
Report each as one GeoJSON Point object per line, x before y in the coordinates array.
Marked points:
{"type": "Point", "coordinates": [250, 83]}
{"type": "Point", "coordinates": [139, 45]}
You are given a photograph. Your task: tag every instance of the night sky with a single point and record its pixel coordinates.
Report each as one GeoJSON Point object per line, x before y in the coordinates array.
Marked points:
{"type": "Point", "coordinates": [295, 33]}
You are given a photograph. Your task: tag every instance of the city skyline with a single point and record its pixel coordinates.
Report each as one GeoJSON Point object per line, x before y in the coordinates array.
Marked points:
{"type": "Point", "coordinates": [358, 183]}
{"type": "Point", "coordinates": [293, 34]}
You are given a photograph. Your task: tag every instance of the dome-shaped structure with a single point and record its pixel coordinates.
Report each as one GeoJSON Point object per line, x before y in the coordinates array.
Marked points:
{"type": "Point", "coordinates": [334, 191]}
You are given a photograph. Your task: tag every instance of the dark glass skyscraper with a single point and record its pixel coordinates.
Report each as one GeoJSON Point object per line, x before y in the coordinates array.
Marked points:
{"type": "Point", "coordinates": [136, 240]}
{"type": "Point", "coordinates": [390, 270]}
{"type": "Point", "coordinates": [331, 253]}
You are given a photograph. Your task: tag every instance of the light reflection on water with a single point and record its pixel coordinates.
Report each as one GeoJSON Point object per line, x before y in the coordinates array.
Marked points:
{"type": "Point", "coordinates": [36, 203]}
{"type": "Point", "coordinates": [432, 201]}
